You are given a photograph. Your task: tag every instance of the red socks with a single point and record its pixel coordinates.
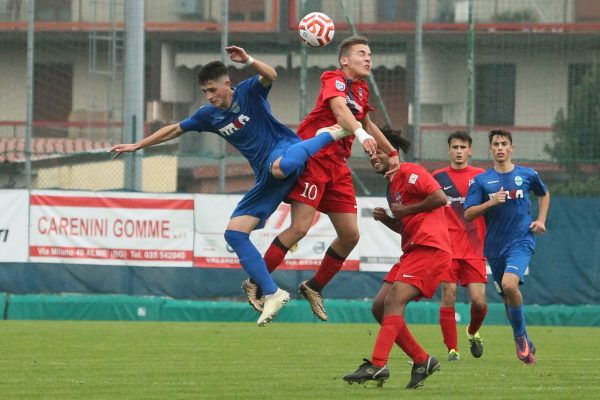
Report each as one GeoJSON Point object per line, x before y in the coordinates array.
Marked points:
{"type": "Point", "coordinates": [477, 317]}
{"type": "Point", "coordinates": [448, 325]}
{"type": "Point", "coordinates": [330, 266]}
{"type": "Point", "coordinates": [275, 254]}
{"type": "Point", "coordinates": [394, 329]}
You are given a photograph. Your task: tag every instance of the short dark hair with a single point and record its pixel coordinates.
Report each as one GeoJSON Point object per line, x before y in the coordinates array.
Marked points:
{"type": "Point", "coordinates": [500, 132]}
{"type": "Point", "coordinates": [212, 71]}
{"type": "Point", "coordinates": [460, 135]}
{"type": "Point", "coordinates": [347, 43]}
{"type": "Point", "coordinates": [396, 139]}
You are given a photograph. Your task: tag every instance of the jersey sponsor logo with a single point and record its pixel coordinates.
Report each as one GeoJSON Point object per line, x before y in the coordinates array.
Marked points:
{"type": "Point", "coordinates": [339, 85]}
{"type": "Point", "coordinates": [407, 276]}
{"type": "Point", "coordinates": [471, 181]}
{"type": "Point", "coordinates": [398, 197]}
{"type": "Point", "coordinates": [360, 93]}
{"type": "Point", "coordinates": [235, 126]}
{"type": "Point", "coordinates": [460, 200]}
{"type": "Point", "coordinates": [413, 178]}
{"type": "Point", "coordinates": [518, 180]}
{"type": "Point", "coordinates": [511, 194]}
{"type": "Point", "coordinates": [490, 182]}
{"type": "Point", "coordinates": [447, 187]}
{"type": "Point", "coordinates": [353, 106]}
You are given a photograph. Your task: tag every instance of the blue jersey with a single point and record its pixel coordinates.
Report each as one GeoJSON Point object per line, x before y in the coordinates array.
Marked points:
{"type": "Point", "coordinates": [247, 124]}
{"type": "Point", "coordinates": [506, 224]}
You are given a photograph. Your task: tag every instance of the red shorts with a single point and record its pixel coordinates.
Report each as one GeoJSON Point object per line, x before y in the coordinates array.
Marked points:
{"type": "Point", "coordinates": [326, 185]}
{"type": "Point", "coordinates": [422, 267]}
{"type": "Point", "coordinates": [464, 272]}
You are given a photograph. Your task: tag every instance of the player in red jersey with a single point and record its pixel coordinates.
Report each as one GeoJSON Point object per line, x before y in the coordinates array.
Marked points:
{"type": "Point", "coordinates": [416, 204]}
{"type": "Point", "coordinates": [467, 238]}
{"type": "Point", "coordinates": [326, 184]}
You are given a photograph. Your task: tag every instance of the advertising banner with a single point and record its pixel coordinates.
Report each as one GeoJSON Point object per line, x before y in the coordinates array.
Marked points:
{"type": "Point", "coordinates": [111, 228]}
{"type": "Point", "coordinates": [14, 225]}
{"type": "Point", "coordinates": [210, 250]}
{"type": "Point", "coordinates": [378, 248]}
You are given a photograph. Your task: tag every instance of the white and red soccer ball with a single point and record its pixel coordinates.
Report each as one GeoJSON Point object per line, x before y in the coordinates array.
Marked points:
{"type": "Point", "coordinates": [316, 29]}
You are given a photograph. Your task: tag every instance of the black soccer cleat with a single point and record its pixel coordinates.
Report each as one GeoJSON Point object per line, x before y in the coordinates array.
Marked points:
{"type": "Point", "coordinates": [368, 372]}
{"type": "Point", "coordinates": [476, 345]}
{"type": "Point", "coordinates": [420, 372]}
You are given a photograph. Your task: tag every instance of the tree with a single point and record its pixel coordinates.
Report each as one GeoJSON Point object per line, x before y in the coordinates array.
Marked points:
{"type": "Point", "coordinates": [577, 135]}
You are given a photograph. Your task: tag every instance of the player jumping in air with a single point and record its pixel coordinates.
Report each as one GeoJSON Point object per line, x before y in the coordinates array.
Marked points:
{"type": "Point", "coordinates": [326, 184]}
{"type": "Point", "coordinates": [242, 116]}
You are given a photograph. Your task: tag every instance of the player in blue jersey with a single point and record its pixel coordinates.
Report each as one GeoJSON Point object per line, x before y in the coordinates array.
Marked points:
{"type": "Point", "coordinates": [501, 195]}
{"type": "Point", "coordinates": [242, 116]}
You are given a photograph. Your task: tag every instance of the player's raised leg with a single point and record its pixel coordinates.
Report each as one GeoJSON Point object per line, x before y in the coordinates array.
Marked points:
{"type": "Point", "coordinates": [296, 155]}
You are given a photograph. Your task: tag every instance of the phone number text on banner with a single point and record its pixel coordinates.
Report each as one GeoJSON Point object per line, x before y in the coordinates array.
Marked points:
{"type": "Point", "coordinates": [111, 228]}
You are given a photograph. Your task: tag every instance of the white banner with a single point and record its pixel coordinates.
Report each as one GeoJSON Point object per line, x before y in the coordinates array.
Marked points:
{"type": "Point", "coordinates": [111, 228]}
{"type": "Point", "coordinates": [378, 248]}
{"type": "Point", "coordinates": [212, 215]}
{"type": "Point", "coordinates": [13, 225]}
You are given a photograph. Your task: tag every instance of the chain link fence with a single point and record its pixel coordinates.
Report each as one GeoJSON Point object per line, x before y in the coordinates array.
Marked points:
{"type": "Point", "coordinates": [529, 67]}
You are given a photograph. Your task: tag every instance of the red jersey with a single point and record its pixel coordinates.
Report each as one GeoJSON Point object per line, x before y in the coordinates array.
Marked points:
{"type": "Point", "coordinates": [467, 237]}
{"type": "Point", "coordinates": [412, 184]}
{"type": "Point", "coordinates": [336, 84]}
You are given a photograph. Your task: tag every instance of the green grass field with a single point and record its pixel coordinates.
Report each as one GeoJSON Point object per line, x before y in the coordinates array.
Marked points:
{"type": "Point", "coordinates": [145, 360]}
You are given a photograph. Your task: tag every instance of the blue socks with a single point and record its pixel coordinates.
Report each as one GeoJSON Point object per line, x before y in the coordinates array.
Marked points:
{"type": "Point", "coordinates": [251, 260]}
{"type": "Point", "coordinates": [517, 320]}
{"type": "Point", "coordinates": [296, 155]}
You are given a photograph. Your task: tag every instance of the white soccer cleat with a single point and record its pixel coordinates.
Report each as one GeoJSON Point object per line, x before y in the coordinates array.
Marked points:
{"type": "Point", "coordinates": [273, 303]}
{"type": "Point", "coordinates": [336, 131]}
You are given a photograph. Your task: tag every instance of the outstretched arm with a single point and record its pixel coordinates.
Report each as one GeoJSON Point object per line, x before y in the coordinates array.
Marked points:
{"type": "Point", "coordinates": [266, 72]}
{"type": "Point", "coordinates": [164, 134]}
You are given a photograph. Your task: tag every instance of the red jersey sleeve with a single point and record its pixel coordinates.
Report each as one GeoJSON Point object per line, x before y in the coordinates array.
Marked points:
{"type": "Point", "coordinates": [420, 180]}
{"type": "Point", "coordinates": [332, 85]}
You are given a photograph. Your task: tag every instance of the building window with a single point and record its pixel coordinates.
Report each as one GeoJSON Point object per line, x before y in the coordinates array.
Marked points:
{"type": "Point", "coordinates": [576, 74]}
{"type": "Point", "coordinates": [247, 10]}
{"type": "Point", "coordinates": [53, 10]}
{"type": "Point", "coordinates": [495, 94]}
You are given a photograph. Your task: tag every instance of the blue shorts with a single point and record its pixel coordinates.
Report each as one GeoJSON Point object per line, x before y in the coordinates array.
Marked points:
{"type": "Point", "coordinates": [515, 262]}
{"type": "Point", "coordinates": [268, 192]}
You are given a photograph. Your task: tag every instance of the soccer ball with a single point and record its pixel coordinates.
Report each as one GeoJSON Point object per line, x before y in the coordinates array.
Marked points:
{"type": "Point", "coordinates": [316, 29]}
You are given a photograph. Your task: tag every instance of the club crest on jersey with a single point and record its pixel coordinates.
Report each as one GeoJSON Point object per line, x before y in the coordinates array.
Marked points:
{"type": "Point", "coordinates": [237, 124]}
{"type": "Point", "coordinates": [360, 93]}
{"type": "Point", "coordinates": [235, 108]}
{"type": "Point", "coordinates": [398, 197]}
{"type": "Point", "coordinates": [518, 180]}
{"type": "Point", "coordinates": [339, 85]}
